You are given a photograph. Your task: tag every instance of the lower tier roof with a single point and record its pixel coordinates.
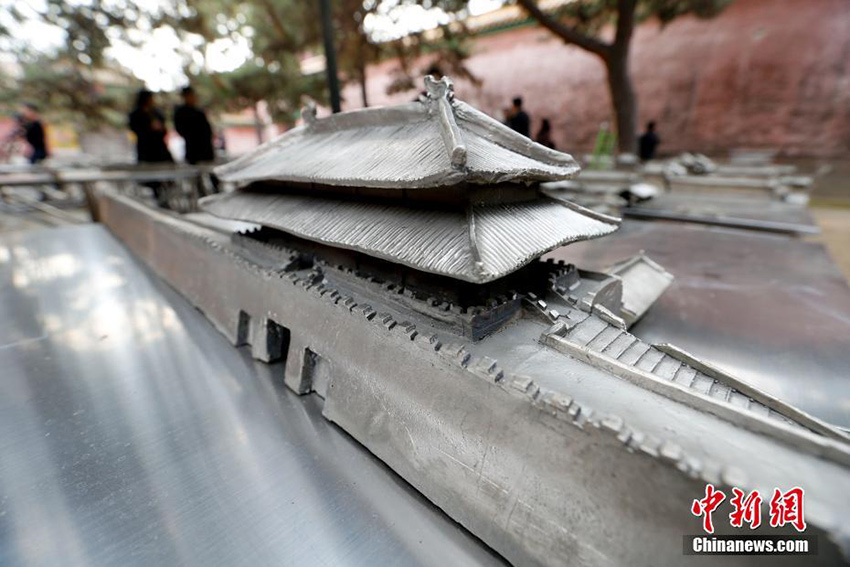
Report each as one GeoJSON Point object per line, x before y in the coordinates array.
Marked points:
{"type": "Point", "coordinates": [479, 244]}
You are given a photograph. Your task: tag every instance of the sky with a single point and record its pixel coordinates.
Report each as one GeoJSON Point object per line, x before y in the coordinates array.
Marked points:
{"type": "Point", "coordinates": [159, 60]}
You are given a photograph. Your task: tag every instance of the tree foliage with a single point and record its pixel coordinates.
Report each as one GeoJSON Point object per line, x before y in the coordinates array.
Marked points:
{"type": "Point", "coordinates": [70, 93]}
{"type": "Point", "coordinates": [444, 52]}
{"type": "Point", "coordinates": [280, 31]}
{"type": "Point", "coordinates": [582, 21]}
{"type": "Point", "coordinates": [81, 82]}
{"type": "Point", "coordinates": [75, 82]}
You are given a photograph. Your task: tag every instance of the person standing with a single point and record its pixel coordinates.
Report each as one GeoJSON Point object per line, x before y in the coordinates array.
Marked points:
{"type": "Point", "coordinates": [192, 125]}
{"type": "Point", "coordinates": [544, 135]}
{"type": "Point", "coordinates": [518, 119]}
{"type": "Point", "coordinates": [148, 124]}
{"type": "Point", "coordinates": [648, 142]}
{"type": "Point", "coordinates": [32, 130]}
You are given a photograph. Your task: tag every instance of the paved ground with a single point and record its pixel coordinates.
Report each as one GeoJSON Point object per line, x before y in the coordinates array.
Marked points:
{"type": "Point", "coordinates": [832, 179]}
{"type": "Point", "coordinates": [835, 224]}
{"type": "Point", "coordinates": [831, 205]}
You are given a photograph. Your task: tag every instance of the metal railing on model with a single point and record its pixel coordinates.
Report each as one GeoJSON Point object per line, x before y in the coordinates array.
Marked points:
{"type": "Point", "coordinates": [51, 190]}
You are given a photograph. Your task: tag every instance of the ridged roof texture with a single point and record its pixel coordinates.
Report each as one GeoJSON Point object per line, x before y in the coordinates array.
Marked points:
{"type": "Point", "coordinates": [478, 244]}
{"type": "Point", "coordinates": [437, 142]}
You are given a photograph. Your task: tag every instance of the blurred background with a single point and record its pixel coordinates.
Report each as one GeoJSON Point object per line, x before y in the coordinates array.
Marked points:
{"type": "Point", "coordinates": [716, 75]}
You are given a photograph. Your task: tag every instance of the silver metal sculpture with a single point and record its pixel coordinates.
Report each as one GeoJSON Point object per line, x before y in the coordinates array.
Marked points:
{"type": "Point", "coordinates": [435, 185]}
{"type": "Point", "coordinates": [393, 273]}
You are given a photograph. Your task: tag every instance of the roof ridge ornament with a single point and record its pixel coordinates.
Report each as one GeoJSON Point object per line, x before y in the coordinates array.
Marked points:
{"type": "Point", "coordinates": [440, 95]}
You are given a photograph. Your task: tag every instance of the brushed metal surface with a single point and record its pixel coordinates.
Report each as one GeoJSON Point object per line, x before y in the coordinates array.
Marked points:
{"type": "Point", "coordinates": [773, 310]}
{"type": "Point", "coordinates": [132, 433]}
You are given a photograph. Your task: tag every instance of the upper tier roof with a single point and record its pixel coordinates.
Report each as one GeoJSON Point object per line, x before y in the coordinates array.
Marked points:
{"type": "Point", "coordinates": [436, 142]}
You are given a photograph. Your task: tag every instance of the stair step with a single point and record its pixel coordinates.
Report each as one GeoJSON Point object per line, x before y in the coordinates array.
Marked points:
{"type": "Point", "coordinates": [634, 352]}
{"type": "Point", "coordinates": [720, 391]}
{"type": "Point", "coordinates": [739, 400]}
{"type": "Point", "coordinates": [587, 330]}
{"type": "Point", "coordinates": [702, 383]}
{"type": "Point", "coordinates": [620, 344]}
{"type": "Point", "coordinates": [650, 359]}
{"type": "Point", "coordinates": [685, 376]}
{"type": "Point", "coordinates": [604, 339]}
{"type": "Point", "coordinates": [667, 368]}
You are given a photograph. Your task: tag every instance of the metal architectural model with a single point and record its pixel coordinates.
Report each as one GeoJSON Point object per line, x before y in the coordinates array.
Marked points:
{"type": "Point", "coordinates": [391, 267]}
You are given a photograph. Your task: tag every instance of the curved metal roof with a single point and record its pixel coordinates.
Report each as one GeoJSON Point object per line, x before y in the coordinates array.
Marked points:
{"type": "Point", "coordinates": [436, 142]}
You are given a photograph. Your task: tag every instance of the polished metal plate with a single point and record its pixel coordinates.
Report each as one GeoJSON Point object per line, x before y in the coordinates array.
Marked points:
{"type": "Point", "coordinates": [132, 433]}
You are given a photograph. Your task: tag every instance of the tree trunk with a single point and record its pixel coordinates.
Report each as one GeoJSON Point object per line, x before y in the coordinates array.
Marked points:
{"type": "Point", "coordinates": [361, 69]}
{"type": "Point", "coordinates": [616, 58]}
{"type": "Point", "coordinates": [363, 89]}
{"type": "Point", "coordinates": [361, 77]}
{"type": "Point", "coordinates": [624, 100]}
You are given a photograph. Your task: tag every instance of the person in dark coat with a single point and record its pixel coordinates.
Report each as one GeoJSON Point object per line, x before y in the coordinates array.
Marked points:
{"type": "Point", "coordinates": [648, 142]}
{"type": "Point", "coordinates": [192, 124]}
{"type": "Point", "coordinates": [519, 120]}
{"type": "Point", "coordinates": [32, 129]}
{"type": "Point", "coordinates": [544, 135]}
{"type": "Point", "coordinates": [148, 124]}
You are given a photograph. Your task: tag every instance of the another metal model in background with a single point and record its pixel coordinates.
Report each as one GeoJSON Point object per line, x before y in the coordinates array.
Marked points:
{"type": "Point", "coordinates": [694, 189]}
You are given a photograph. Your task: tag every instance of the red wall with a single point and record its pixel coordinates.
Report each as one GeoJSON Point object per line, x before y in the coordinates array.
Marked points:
{"type": "Point", "coordinates": [765, 74]}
